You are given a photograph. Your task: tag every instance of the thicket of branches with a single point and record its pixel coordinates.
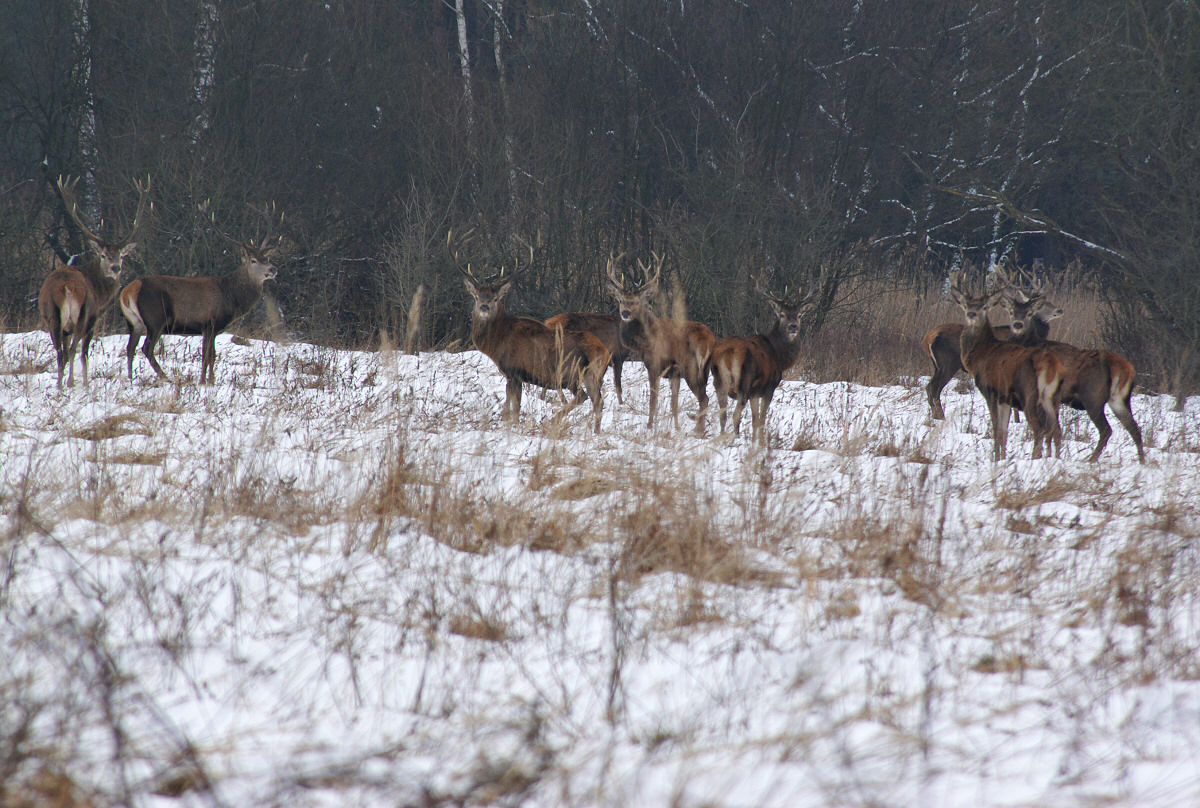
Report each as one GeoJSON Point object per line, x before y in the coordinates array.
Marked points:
{"type": "Point", "coordinates": [731, 136]}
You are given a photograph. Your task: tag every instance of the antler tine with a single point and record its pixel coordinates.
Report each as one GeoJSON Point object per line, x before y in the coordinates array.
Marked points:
{"type": "Point", "coordinates": [760, 288]}
{"type": "Point", "coordinates": [67, 190]}
{"type": "Point", "coordinates": [452, 249]}
{"type": "Point", "coordinates": [143, 199]}
{"type": "Point", "coordinates": [610, 270]}
{"type": "Point", "coordinates": [651, 282]}
{"type": "Point", "coordinates": [263, 246]}
{"type": "Point", "coordinates": [817, 285]}
{"type": "Point", "coordinates": [517, 271]}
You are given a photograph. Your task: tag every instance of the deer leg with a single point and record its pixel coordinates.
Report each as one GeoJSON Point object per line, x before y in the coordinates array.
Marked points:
{"type": "Point", "coordinates": [1102, 426]}
{"type": "Point", "coordinates": [1037, 427]}
{"type": "Point", "coordinates": [83, 351]}
{"type": "Point", "coordinates": [998, 444]}
{"type": "Point", "coordinates": [596, 393]}
{"type": "Point", "coordinates": [512, 401]}
{"type": "Point", "coordinates": [148, 346]}
{"type": "Point", "coordinates": [616, 364]}
{"type": "Point", "coordinates": [1050, 426]}
{"type": "Point", "coordinates": [722, 405]}
{"type": "Point", "coordinates": [208, 358]}
{"type": "Point", "coordinates": [737, 413]}
{"type": "Point", "coordinates": [674, 382]}
{"type": "Point", "coordinates": [653, 398]}
{"type": "Point", "coordinates": [130, 349]}
{"type": "Point", "coordinates": [763, 403]}
{"type": "Point", "coordinates": [57, 337]}
{"type": "Point", "coordinates": [701, 392]}
{"type": "Point", "coordinates": [72, 348]}
{"type": "Point", "coordinates": [933, 391]}
{"type": "Point", "coordinates": [1120, 408]}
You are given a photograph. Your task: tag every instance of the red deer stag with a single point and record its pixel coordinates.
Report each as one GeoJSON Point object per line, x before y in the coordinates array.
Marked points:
{"type": "Point", "coordinates": [751, 368]}
{"type": "Point", "coordinates": [941, 346]}
{"type": "Point", "coordinates": [603, 327]}
{"type": "Point", "coordinates": [668, 347]}
{"type": "Point", "coordinates": [525, 350]}
{"type": "Point", "coordinates": [1009, 375]}
{"type": "Point", "coordinates": [1093, 378]}
{"type": "Point", "coordinates": [72, 297]}
{"type": "Point", "coordinates": [204, 307]}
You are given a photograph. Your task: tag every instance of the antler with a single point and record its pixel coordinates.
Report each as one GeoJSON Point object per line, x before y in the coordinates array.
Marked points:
{"type": "Point", "coordinates": [269, 214]}
{"type": "Point", "coordinates": [651, 283]}
{"type": "Point", "coordinates": [67, 190]}
{"type": "Point", "coordinates": [759, 286]}
{"type": "Point", "coordinates": [452, 249]}
{"type": "Point", "coordinates": [143, 199]}
{"type": "Point", "coordinates": [618, 283]}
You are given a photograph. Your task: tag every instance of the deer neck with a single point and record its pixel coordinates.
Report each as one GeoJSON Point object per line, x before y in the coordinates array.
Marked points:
{"type": "Point", "coordinates": [787, 350]}
{"type": "Point", "coordinates": [975, 337]}
{"type": "Point", "coordinates": [104, 286]}
{"type": "Point", "coordinates": [484, 333]}
{"type": "Point", "coordinates": [637, 331]}
{"type": "Point", "coordinates": [242, 290]}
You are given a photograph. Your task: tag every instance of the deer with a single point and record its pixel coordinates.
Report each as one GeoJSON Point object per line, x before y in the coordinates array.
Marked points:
{"type": "Point", "coordinates": [164, 304]}
{"type": "Point", "coordinates": [751, 368]}
{"type": "Point", "coordinates": [1009, 375]}
{"type": "Point", "coordinates": [603, 327]}
{"type": "Point", "coordinates": [72, 297]}
{"type": "Point", "coordinates": [941, 346]}
{"type": "Point", "coordinates": [676, 349]}
{"type": "Point", "coordinates": [526, 350]}
{"type": "Point", "coordinates": [1093, 377]}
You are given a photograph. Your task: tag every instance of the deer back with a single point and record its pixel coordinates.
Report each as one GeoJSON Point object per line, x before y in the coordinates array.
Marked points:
{"type": "Point", "coordinates": [603, 326]}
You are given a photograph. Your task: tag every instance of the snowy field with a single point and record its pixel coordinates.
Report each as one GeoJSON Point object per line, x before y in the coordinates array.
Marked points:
{"type": "Point", "coordinates": [335, 578]}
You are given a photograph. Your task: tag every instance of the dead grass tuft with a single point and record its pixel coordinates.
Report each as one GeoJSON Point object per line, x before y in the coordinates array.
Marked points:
{"type": "Point", "coordinates": [114, 426]}
{"type": "Point", "coordinates": [478, 627]}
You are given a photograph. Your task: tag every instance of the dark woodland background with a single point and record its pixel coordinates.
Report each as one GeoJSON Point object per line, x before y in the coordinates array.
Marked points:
{"type": "Point", "coordinates": [884, 141]}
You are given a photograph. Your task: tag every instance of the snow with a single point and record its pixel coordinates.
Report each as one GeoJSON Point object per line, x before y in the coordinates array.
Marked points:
{"type": "Point", "coordinates": [288, 579]}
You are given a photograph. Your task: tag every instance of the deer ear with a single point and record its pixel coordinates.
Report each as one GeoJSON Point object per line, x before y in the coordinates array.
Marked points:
{"type": "Point", "coordinates": [504, 288]}
{"type": "Point", "coordinates": [128, 248]}
{"type": "Point", "coordinates": [470, 287]}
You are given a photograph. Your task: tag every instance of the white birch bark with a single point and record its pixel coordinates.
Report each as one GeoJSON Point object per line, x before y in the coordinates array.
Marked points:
{"type": "Point", "coordinates": [464, 61]}
{"type": "Point", "coordinates": [499, 33]}
{"type": "Point", "coordinates": [87, 119]}
{"type": "Point", "coordinates": [204, 46]}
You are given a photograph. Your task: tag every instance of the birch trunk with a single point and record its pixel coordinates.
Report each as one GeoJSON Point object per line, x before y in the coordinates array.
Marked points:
{"type": "Point", "coordinates": [204, 47]}
{"type": "Point", "coordinates": [87, 119]}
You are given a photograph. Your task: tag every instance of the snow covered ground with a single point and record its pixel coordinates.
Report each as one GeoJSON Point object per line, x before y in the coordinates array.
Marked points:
{"type": "Point", "coordinates": [334, 578]}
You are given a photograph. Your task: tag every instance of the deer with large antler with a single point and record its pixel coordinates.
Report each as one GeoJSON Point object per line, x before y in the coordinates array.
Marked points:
{"type": "Point", "coordinates": [677, 349]}
{"type": "Point", "coordinates": [941, 343]}
{"type": "Point", "coordinates": [1009, 375]}
{"type": "Point", "coordinates": [72, 297]}
{"type": "Point", "coordinates": [1093, 378]}
{"type": "Point", "coordinates": [525, 350]}
{"type": "Point", "coordinates": [751, 368]}
{"type": "Point", "coordinates": [204, 307]}
{"type": "Point", "coordinates": [604, 327]}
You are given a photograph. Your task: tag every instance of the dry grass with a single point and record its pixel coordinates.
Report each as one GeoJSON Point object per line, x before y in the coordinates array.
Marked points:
{"type": "Point", "coordinates": [443, 531]}
{"type": "Point", "coordinates": [874, 338]}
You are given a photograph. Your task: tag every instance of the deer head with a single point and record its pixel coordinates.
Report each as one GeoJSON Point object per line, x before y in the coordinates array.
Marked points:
{"type": "Point", "coordinates": [488, 293]}
{"type": "Point", "coordinates": [790, 310]}
{"type": "Point", "coordinates": [110, 254]}
{"type": "Point", "coordinates": [975, 307]}
{"type": "Point", "coordinates": [634, 298]}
